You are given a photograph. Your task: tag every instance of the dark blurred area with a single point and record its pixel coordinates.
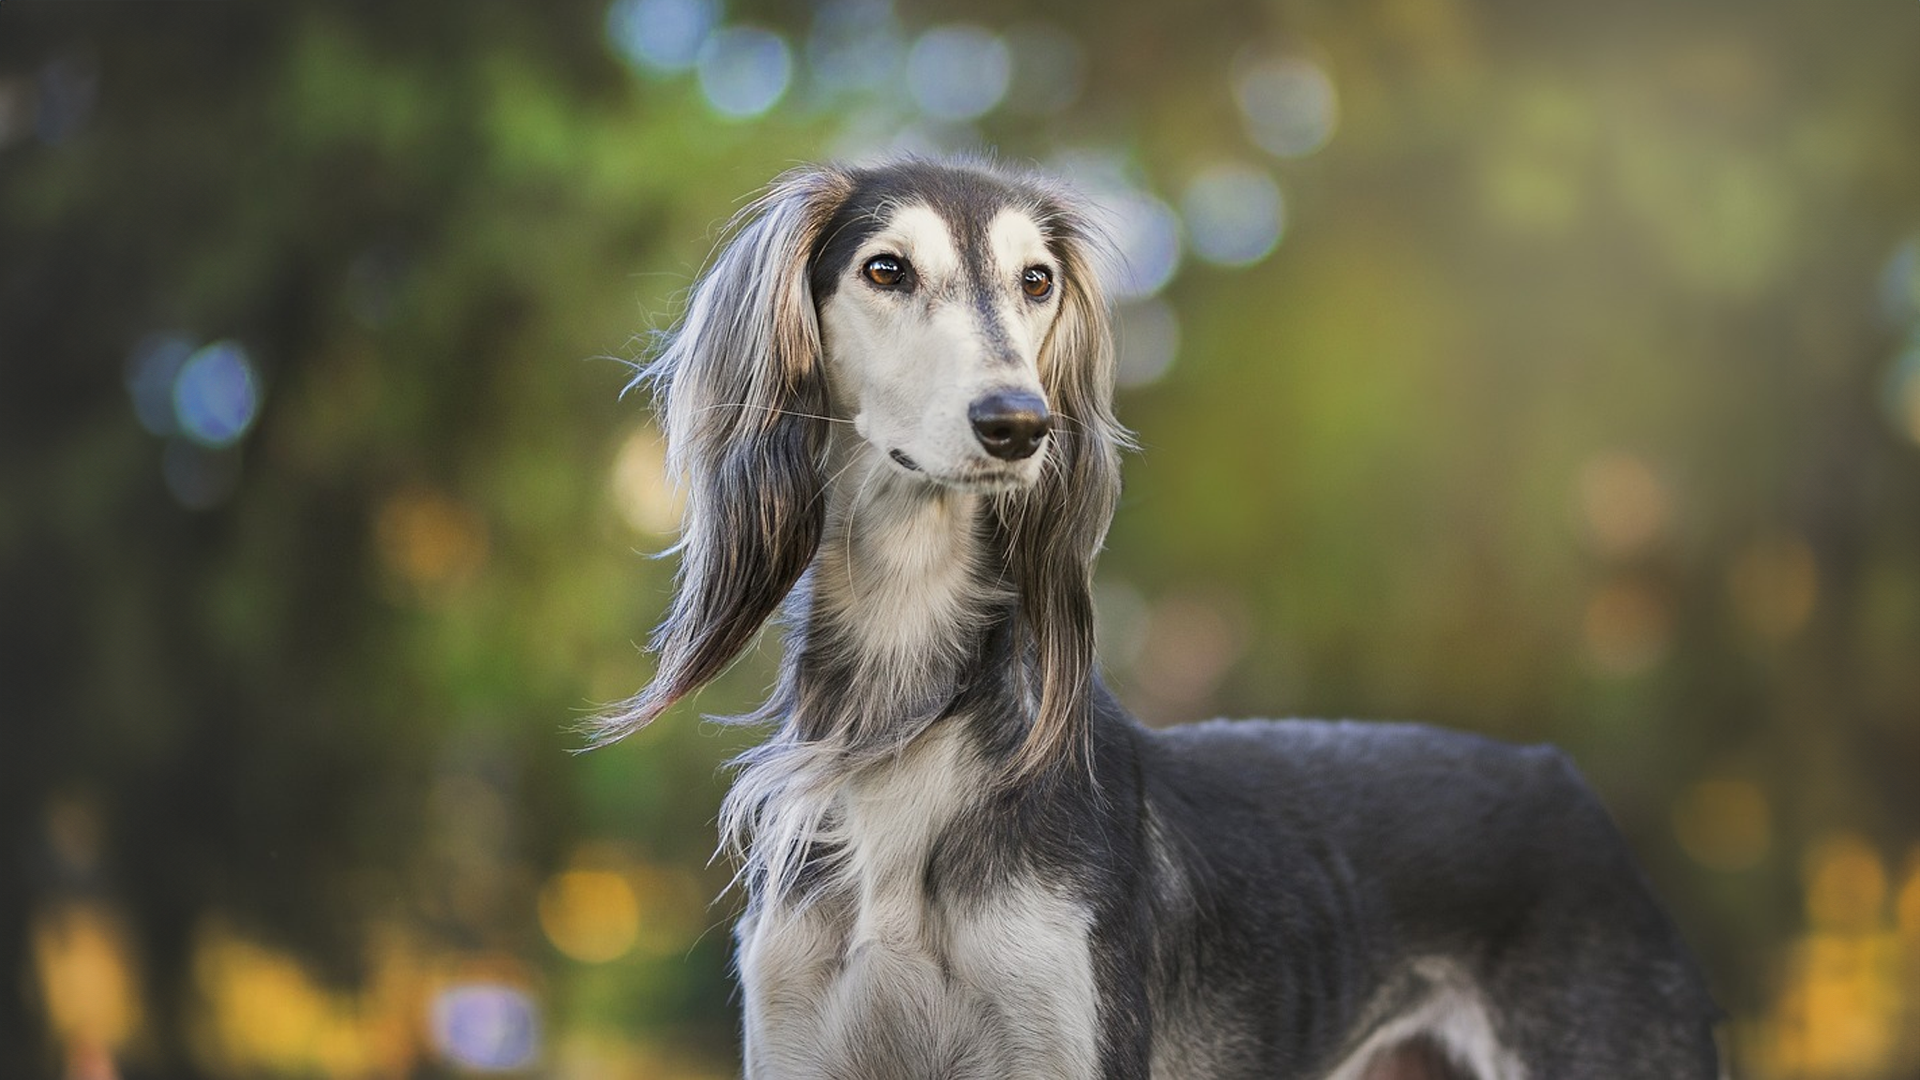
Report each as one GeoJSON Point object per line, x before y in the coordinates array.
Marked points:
{"type": "Point", "coordinates": [1548, 370]}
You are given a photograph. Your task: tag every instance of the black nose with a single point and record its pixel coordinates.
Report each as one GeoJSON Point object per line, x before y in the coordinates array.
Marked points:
{"type": "Point", "coordinates": [1010, 424]}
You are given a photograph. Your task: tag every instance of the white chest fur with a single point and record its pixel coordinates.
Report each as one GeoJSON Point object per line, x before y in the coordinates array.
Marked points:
{"type": "Point", "coordinates": [872, 978]}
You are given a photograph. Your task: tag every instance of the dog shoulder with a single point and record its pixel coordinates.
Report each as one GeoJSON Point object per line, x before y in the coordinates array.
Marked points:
{"type": "Point", "coordinates": [1388, 793]}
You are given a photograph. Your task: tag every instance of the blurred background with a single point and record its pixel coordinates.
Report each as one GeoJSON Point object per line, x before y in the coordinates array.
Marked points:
{"type": "Point", "coordinates": [1549, 370]}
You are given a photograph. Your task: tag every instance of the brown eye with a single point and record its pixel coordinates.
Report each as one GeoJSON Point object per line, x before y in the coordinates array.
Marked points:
{"type": "Point", "coordinates": [1037, 282]}
{"type": "Point", "coordinates": [887, 271]}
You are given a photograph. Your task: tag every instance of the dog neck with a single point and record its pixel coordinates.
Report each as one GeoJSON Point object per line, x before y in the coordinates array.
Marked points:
{"type": "Point", "coordinates": [899, 606]}
{"type": "Point", "coordinates": [902, 621]}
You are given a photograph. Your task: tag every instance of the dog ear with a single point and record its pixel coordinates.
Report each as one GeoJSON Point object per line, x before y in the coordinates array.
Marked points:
{"type": "Point", "coordinates": [742, 397]}
{"type": "Point", "coordinates": [1054, 529]}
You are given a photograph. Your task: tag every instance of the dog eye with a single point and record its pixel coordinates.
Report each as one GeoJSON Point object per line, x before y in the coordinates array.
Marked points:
{"type": "Point", "coordinates": [887, 271]}
{"type": "Point", "coordinates": [1037, 282]}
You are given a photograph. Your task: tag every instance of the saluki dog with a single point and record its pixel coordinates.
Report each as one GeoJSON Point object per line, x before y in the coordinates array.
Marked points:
{"type": "Point", "coordinates": [890, 400]}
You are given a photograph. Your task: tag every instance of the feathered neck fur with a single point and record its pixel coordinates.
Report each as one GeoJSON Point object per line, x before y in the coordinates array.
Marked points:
{"type": "Point", "coordinates": [906, 619]}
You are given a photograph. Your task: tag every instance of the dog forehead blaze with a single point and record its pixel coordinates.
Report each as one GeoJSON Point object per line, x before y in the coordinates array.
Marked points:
{"type": "Point", "coordinates": [975, 211]}
{"type": "Point", "coordinates": [1017, 243]}
{"type": "Point", "coordinates": [923, 237]}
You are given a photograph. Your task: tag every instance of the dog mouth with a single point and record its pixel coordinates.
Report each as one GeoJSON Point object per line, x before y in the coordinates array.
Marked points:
{"type": "Point", "coordinates": [993, 479]}
{"type": "Point", "coordinates": [983, 478]}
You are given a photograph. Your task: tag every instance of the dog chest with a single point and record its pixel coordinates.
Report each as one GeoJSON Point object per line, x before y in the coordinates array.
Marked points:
{"type": "Point", "coordinates": [874, 976]}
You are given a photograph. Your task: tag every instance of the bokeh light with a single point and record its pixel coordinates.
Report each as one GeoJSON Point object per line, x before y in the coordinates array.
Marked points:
{"type": "Point", "coordinates": [487, 1027]}
{"type": "Point", "coordinates": [1049, 69]}
{"type": "Point", "coordinates": [854, 46]}
{"type": "Point", "coordinates": [1628, 627]}
{"type": "Point", "coordinates": [1846, 882]}
{"type": "Point", "coordinates": [1775, 584]}
{"type": "Point", "coordinates": [1838, 1011]}
{"type": "Point", "coordinates": [1288, 104]}
{"type": "Point", "coordinates": [1623, 507]}
{"type": "Point", "coordinates": [661, 36]}
{"type": "Point", "coordinates": [744, 70]}
{"type": "Point", "coordinates": [151, 373]}
{"type": "Point", "coordinates": [264, 1011]}
{"type": "Point", "coordinates": [1146, 236]}
{"type": "Point", "coordinates": [958, 72]}
{"type": "Point", "coordinates": [1143, 230]}
{"type": "Point", "coordinates": [1146, 336]}
{"type": "Point", "coordinates": [646, 498]}
{"type": "Point", "coordinates": [590, 914]}
{"type": "Point", "coordinates": [1234, 214]}
{"type": "Point", "coordinates": [202, 401]}
{"type": "Point", "coordinates": [216, 395]}
{"type": "Point", "coordinates": [429, 541]}
{"type": "Point", "coordinates": [88, 981]}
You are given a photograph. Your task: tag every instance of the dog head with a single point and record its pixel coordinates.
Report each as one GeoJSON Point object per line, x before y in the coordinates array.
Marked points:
{"type": "Point", "coordinates": [951, 314]}
{"type": "Point", "coordinates": [937, 288]}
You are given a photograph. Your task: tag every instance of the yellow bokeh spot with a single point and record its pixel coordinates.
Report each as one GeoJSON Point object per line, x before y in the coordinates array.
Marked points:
{"type": "Point", "coordinates": [429, 541]}
{"type": "Point", "coordinates": [1837, 1016]}
{"type": "Point", "coordinates": [646, 498]}
{"type": "Point", "coordinates": [1623, 505]}
{"type": "Point", "coordinates": [263, 1012]}
{"type": "Point", "coordinates": [606, 902]}
{"type": "Point", "coordinates": [265, 1009]}
{"type": "Point", "coordinates": [1724, 824]}
{"type": "Point", "coordinates": [1843, 1009]}
{"type": "Point", "coordinates": [87, 979]}
{"type": "Point", "coordinates": [1627, 628]}
{"type": "Point", "coordinates": [1775, 584]}
{"type": "Point", "coordinates": [590, 915]}
{"type": "Point", "coordinates": [1846, 883]}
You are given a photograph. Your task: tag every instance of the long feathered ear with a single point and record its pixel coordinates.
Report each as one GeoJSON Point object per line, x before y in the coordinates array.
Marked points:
{"type": "Point", "coordinates": [742, 398]}
{"type": "Point", "coordinates": [1054, 529]}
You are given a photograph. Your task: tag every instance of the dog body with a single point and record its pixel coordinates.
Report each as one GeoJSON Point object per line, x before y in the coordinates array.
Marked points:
{"type": "Point", "coordinates": [891, 398]}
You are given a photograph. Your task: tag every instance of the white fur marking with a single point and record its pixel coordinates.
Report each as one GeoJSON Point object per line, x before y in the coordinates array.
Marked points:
{"type": "Point", "coordinates": [906, 578]}
{"type": "Point", "coordinates": [1452, 1014]}
{"type": "Point", "coordinates": [873, 981]}
{"type": "Point", "coordinates": [906, 364]}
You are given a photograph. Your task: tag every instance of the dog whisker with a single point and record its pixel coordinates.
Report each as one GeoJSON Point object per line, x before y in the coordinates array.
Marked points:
{"type": "Point", "coordinates": [774, 409]}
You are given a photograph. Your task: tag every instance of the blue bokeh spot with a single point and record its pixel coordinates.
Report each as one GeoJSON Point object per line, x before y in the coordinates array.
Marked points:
{"type": "Point", "coordinates": [216, 396]}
